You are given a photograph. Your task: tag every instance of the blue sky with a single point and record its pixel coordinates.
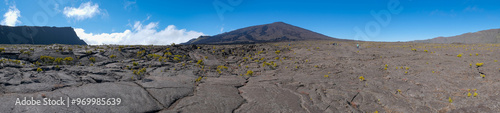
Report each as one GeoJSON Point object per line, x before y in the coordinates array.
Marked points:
{"type": "Point", "coordinates": [176, 21]}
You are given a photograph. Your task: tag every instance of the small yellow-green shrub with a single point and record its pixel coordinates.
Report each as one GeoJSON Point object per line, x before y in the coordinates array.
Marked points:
{"type": "Point", "coordinates": [176, 59]}
{"type": "Point", "coordinates": [249, 73]}
{"type": "Point", "coordinates": [479, 64]}
{"type": "Point", "coordinates": [198, 79]}
{"type": "Point", "coordinates": [92, 59]}
{"type": "Point", "coordinates": [140, 53]}
{"type": "Point", "coordinates": [361, 78]}
{"type": "Point", "coordinates": [69, 59]}
{"type": "Point", "coordinates": [200, 62]}
{"type": "Point", "coordinates": [58, 60]}
{"type": "Point", "coordinates": [47, 59]}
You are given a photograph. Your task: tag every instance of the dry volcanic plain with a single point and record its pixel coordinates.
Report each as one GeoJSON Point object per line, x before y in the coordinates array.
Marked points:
{"type": "Point", "coordinates": [291, 77]}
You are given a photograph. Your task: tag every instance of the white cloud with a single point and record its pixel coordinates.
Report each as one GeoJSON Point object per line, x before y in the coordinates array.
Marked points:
{"type": "Point", "coordinates": [140, 35]}
{"type": "Point", "coordinates": [473, 9]}
{"type": "Point", "coordinates": [222, 28]}
{"type": "Point", "coordinates": [86, 10]}
{"type": "Point", "coordinates": [129, 4]}
{"type": "Point", "coordinates": [56, 8]}
{"type": "Point", "coordinates": [10, 18]}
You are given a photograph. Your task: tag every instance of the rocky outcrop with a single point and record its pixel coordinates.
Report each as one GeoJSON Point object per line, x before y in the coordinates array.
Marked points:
{"type": "Point", "coordinates": [39, 35]}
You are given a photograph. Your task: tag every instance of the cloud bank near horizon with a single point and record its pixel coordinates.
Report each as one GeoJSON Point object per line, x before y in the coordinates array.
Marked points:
{"type": "Point", "coordinates": [140, 35]}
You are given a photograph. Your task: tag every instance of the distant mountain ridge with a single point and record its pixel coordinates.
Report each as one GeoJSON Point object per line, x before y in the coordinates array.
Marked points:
{"type": "Point", "coordinates": [39, 35]}
{"type": "Point", "coordinates": [274, 32]}
{"type": "Point", "coordinates": [485, 36]}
